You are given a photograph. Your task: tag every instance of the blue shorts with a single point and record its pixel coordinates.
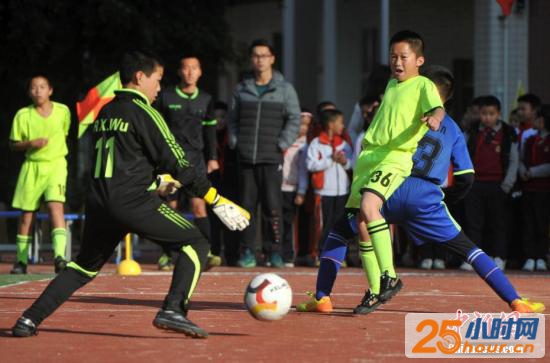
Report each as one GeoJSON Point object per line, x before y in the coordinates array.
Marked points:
{"type": "Point", "coordinates": [417, 206]}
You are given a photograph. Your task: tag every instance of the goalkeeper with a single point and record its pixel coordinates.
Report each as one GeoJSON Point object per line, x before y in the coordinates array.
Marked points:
{"type": "Point", "coordinates": [132, 142]}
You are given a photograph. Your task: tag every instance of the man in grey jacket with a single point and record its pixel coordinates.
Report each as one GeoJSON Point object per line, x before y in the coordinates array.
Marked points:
{"type": "Point", "coordinates": [263, 122]}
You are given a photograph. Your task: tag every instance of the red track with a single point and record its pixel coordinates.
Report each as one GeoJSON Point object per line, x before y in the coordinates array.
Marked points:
{"type": "Point", "coordinates": [110, 319]}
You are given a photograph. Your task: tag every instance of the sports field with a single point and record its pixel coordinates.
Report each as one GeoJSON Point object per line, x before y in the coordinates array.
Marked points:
{"type": "Point", "coordinates": [110, 319]}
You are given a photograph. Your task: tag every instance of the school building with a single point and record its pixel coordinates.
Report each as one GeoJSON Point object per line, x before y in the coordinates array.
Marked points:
{"type": "Point", "coordinates": [327, 48]}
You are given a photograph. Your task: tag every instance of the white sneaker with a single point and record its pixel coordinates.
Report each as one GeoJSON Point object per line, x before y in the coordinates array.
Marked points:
{"type": "Point", "coordinates": [426, 264]}
{"type": "Point", "coordinates": [439, 264]}
{"type": "Point", "coordinates": [289, 264]}
{"type": "Point", "coordinates": [541, 265]}
{"type": "Point", "coordinates": [529, 265]}
{"type": "Point", "coordinates": [500, 263]}
{"type": "Point", "coordinates": [466, 266]}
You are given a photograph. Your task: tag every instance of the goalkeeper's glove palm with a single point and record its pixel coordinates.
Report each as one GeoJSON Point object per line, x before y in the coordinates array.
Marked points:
{"type": "Point", "coordinates": [233, 216]}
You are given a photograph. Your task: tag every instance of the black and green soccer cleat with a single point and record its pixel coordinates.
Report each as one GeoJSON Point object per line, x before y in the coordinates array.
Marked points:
{"type": "Point", "coordinates": [389, 286]}
{"type": "Point", "coordinates": [176, 321]}
{"type": "Point", "coordinates": [369, 303]}
{"type": "Point", "coordinates": [19, 268]}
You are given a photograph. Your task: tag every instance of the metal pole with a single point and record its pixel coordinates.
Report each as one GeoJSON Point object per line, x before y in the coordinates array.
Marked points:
{"type": "Point", "coordinates": [384, 31]}
{"type": "Point", "coordinates": [329, 50]}
{"type": "Point", "coordinates": [288, 39]}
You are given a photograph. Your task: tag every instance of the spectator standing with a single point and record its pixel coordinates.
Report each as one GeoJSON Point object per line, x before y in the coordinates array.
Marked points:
{"type": "Point", "coordinates": [494, 150]}
{"type": "Point", "coordinates": [329, 158]}
{"type": "Point", "coordinates": [534, 170]}
{"type": "Point", "coordinates": [263, 123]}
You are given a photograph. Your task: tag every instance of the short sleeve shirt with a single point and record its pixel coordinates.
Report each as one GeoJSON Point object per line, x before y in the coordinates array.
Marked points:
{"type": "Point", "coordinates": [28, 125]}
{"type": "Point", "coordinates": [397, 125]}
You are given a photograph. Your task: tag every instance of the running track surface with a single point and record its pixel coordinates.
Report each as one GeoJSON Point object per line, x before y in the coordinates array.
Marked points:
{"type": "Point", "coordinates": [110, 319]}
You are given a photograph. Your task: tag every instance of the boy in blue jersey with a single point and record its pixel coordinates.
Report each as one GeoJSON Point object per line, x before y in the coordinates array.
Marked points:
{"type": "Point", "coordinates": [417, 205]}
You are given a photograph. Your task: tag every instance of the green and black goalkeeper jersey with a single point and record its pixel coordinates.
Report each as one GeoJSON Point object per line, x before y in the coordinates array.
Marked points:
{"type": "Point", "coordinates": [191, 119]}
{"type": "Point", "coordinates": [132, 144]}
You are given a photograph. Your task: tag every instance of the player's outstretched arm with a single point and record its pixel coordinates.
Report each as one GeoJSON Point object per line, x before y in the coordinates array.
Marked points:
{"type": "Point", "coordinates": [233, 216]}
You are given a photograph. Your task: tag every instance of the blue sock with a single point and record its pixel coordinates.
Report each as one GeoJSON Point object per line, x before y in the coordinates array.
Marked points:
{"type": "Point", "coordinates": [334, 253]}
{"type": "Point", "coordinates": [488, 271]}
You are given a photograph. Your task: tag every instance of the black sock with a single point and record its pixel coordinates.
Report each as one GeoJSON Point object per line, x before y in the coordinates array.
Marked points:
{"type": "Point", "coordinates": [58, 291]}
{"type": "Point", "coordinates": [186, 275]}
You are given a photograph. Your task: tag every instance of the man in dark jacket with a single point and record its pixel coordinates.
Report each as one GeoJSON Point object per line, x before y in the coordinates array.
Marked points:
{"type": "Point", "coordinates": [263, 123]}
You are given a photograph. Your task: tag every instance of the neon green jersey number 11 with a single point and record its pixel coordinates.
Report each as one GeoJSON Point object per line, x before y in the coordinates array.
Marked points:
{"type": "Point", "coordinates": [109, 164]}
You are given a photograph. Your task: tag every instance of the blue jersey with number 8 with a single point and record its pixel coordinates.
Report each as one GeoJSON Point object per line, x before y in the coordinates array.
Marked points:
{"type": "Point", "coordinates": [437, 149]}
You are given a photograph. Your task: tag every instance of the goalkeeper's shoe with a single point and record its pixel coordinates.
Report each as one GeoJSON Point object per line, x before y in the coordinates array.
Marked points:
{"type": "Point", "coordinates": [525, 306]}
{"type": "Point", "coordinates": [369, 303]}
{"type": "Point", "coordinates": [176, 321]}
{"type": "Point", "coordinates": [323, 305]}
{"type": "Point", "coordinates": [24, 328]}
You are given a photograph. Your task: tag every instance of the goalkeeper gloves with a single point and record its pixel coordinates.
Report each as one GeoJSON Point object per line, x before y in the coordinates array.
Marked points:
{"type": "Point", "coordinates": [167, 185]}
{"type": "Point", "coordinates": [233, 216]}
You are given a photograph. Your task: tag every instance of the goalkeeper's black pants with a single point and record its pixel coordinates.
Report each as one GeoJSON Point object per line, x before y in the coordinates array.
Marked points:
{"type": "Point", "coordinates": [105, 226]}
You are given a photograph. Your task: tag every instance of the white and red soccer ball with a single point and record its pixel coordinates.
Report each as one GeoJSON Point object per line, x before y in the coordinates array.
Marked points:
{"type": "Point", "coordinates": [268, 297]}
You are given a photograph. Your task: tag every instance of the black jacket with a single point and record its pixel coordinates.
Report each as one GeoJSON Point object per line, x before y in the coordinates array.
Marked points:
{"type": "Point", "coordinates": [262, 126]}
{"type": "Point", "coordinates": [132, 144]}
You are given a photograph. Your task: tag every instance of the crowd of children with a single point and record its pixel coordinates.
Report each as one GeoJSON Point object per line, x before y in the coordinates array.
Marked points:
{"type": "Point", "coordinates": [506, 211]}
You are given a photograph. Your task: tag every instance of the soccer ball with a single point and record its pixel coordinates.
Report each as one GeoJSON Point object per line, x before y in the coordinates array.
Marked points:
{"type": "Point", "coordinates": [268, 297]}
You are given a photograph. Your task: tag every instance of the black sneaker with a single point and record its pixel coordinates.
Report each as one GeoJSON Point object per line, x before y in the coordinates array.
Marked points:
{"type": "Point", "coordinates": [24, 328]}
{"type": "Point", "coordinates": [369, 303]}
{"type": "Point", "coordinates": [19, 268]}
{"type": "Point", "coordinates": [173, 320]}
{"type": "Point", "coordinates": [59, 264]}
{"type": "Point", "coordinates": [389, 286]}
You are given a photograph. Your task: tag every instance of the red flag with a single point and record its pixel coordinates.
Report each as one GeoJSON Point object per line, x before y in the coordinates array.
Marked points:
{"type": "Point", "coordinates": [97, 97]}
{"type": "Point", "coordinates": [506, 6]}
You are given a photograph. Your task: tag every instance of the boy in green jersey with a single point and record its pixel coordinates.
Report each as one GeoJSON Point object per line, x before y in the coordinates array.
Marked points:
{"type": "Point", "coordinates": [410, 106]}
{"type": "Point", "coordinates": [40, 130]}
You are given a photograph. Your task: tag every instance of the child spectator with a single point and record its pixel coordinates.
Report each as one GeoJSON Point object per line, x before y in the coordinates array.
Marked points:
{"type": "Point", "coordinates": [528, 105]}
{"type": "Point", "coordinates": [328, 158]}
{"type": "Point", "coordinates": [493, 148]}
{"type": "Point", "coordinates": [295, 183]}
{"type": "Point", "coordinates": [534, 170]}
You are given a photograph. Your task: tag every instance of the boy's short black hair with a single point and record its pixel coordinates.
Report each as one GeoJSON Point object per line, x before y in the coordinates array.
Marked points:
{"type": "Point", "coordinates": [135, 61]}
{"type": "Point", "coordinates": [414, 40]}
{"type": "Point", "coordinates": [531, 99]}
{"type": "Point", "coordinates": [544, 112]}
{"type": "Point", "coordinates": [328, 116]}
{"type": "Point", "coordinates": [189, 55]}
{"type": "Point", "coordinates": [322, 105]}
{"type": "Point", "coordinates": [38, 75]}
{"type": "Point", "coordinates": [442, 77]}
{"type": "Point", "coordinates": [219, 105]}
{"type": "Point", "coordinates": [490, 100]}
{"type": "Point", "coordinates": [477, 101]}
{"type": "Point", "coordinates": [260, 43]}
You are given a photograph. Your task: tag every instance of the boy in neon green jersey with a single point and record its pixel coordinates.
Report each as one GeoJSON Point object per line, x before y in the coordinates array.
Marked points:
{"type": "Point", "coordinates": [40, 130]}
{"type": "Point", "coordinates": [410, 106]}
